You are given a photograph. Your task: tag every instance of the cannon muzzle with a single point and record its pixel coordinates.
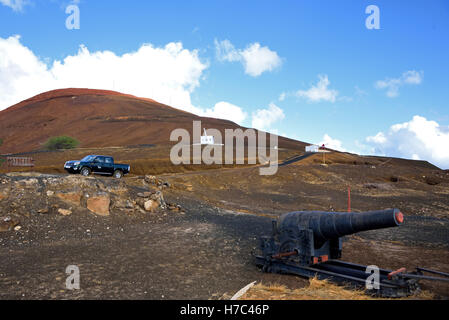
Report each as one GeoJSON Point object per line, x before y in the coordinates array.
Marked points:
{"type": "Point", "coordinates": [333, 225]}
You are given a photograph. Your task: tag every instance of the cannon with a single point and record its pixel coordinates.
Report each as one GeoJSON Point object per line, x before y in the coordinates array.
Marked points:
{"type": "Point", "coordinates": [309, 244]}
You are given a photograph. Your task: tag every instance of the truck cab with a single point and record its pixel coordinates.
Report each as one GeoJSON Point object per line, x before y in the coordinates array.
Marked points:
{"type": "Point", "coordinates": [97, 164]}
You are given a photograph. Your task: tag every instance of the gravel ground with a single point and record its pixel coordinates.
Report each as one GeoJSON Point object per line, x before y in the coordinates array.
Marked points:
{"type": "Point", "coordinates": [205, 253]}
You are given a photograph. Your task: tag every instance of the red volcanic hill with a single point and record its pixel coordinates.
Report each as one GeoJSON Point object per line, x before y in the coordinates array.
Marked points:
{"type": "Point", "coordinates": [99, 118]}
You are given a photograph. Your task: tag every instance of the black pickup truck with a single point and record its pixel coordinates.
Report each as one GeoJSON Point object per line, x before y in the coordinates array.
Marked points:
{"type": "Point", "coordinates": [97, 164]}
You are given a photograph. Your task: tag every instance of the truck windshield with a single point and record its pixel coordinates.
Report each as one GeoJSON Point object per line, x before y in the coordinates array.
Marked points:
{"type": "Point", "coordinates": [88, 159]}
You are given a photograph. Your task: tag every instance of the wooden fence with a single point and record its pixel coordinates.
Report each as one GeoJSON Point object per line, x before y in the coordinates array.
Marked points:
{"type": "Point", "coordinates": [20, 162]}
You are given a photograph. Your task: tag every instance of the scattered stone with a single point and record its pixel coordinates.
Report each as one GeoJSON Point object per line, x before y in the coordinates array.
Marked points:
{"type": "Point", "coordinates": [8, 224]}
{"type": "Point", "coordinates": [129, 205]}
{"type": "Point", "coordinates": [17, 228]}
{"type": "Point", "coordinates": [50, 193]}
{"type": "Point", "coordinates": [65, 212]}
{"type": "Point", "coordinates": [174, 207]}
{"type": "Point", "coordinates": [166, 185]}
{"type": "Point", "coordinates": [379, 186]}
{"type": "Point", "coordinates": [152, 180]}
{"type": "Point", "coordinates": [30, 182]}
{"type": "Point", "coordinates": [43, 211]}
{"type": "Point", "coordinates": [144, 194]}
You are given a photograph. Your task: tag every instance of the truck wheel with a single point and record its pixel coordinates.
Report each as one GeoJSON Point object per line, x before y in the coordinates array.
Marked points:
{"type": "Point", "coordinates": [85, 172]}
{"type": "Point", "coordinates": [118, 174]}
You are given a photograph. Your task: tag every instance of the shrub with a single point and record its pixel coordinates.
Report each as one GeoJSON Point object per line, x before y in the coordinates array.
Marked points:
{"type": "Point", "coordinates": [62, 142]}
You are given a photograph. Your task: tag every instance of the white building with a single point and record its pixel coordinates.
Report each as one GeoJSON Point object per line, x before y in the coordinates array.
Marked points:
{"type": "Point", "coordinates": [312, 148]}
{"type": "Point", "coordinates": [207, 139]}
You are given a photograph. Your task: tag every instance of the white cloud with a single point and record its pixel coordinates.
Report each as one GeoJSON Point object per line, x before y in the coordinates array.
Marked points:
{"type": "Point", "coordinates": [320, 92]}
{"type": "Point", "coordinates": [262, 119]}
{"type": "Point", "coordinates": [226, 51]}
{"type": "Point", "coordinates": [331, 143]}
{"type": "Point", "coordinates": [412, 77]}
{"type": "Point", "coordinates": [282, 96]}
{"type": "Point", "coordinates": [16, 5]}
{"type": "Point", "coordinates": [226, 110]}
{"type": "Point", "coordinates": [378, 138]}
{"type": "Point", "coordinates": [167, 74]}
{"type": "Point", "coordinates": [255, 58]}
{"type": "Point", "coordinates": [418, 138]}
{"type": "Point", "coordinates": [392, 85]}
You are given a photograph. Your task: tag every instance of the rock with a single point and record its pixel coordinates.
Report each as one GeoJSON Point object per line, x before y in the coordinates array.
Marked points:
{"type": "Point", "coordinates": [8, 224]}
{"type": "Point", "coordinates": [150, 179]}
{"type": "Point", "coordinates": [159, 198]}
{"type": "Point", "coordinates": [99, 204]}
{"type": "Point", "coordinates": [43, 211]}
{"type": "Point", "coordinates": [50, 193]}
{"type": "Point", "coordinates": [394, 179]}
{"type": "Point", "coordinates": [155, 181]}
{"type": "Point", "coordinates": [17, 228]}
{"type": "Point", "coordinates": [379, 186]}
{"type": "Point", "coordinates": [173, 207]}
{"type": "Point", "coordinates": [129, 205]}
{"type": "Point", "coordinates": [144, 194]}
{"type": "Point", "coordinates": [2, 196]}
{"type": "Point", "coordinates": [151, 205]}
{"type": "Point", "coordinates": [433, 181]}
{"type": "Point", "coordinates": [70, 197]}
{"type": "Point", "coordinates": [124, 204]}
{"type": "Point", "coordinates": [30, 182]}
{"type": "Point", "coordinates": [167, 185]}
{"type": "Point", "coordinates": [64, 212]}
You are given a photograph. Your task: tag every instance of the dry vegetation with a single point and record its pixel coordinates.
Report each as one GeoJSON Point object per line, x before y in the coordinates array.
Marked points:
{"type": "Point", "coordinates": [317, 290]}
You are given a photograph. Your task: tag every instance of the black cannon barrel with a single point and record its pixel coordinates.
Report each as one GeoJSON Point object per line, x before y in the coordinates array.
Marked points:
{"type": "Point", "coordinates": [331, 225]}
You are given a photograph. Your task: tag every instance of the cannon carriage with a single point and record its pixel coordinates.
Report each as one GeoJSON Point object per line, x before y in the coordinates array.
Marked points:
{"type": "Point", "coordinates": [309, 244]}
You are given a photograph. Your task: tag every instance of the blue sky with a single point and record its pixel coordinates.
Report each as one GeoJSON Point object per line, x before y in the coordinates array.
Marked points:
{"type": "Point", "coordinates": [371, 79]}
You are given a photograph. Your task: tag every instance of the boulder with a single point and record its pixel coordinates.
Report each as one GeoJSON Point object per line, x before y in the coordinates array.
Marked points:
{"type": "Point", "coordinates": [70, 197]}
{"type": "Point", "coordinates": [159, 198]}
{"type": "Point", "coordinates": [151, 205]}
{"type": "Point", "coordinates": [99, 204]}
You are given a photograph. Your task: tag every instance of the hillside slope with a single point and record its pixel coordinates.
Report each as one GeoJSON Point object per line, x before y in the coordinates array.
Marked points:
{"type": "Point", "coordinates": [99, 118]}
